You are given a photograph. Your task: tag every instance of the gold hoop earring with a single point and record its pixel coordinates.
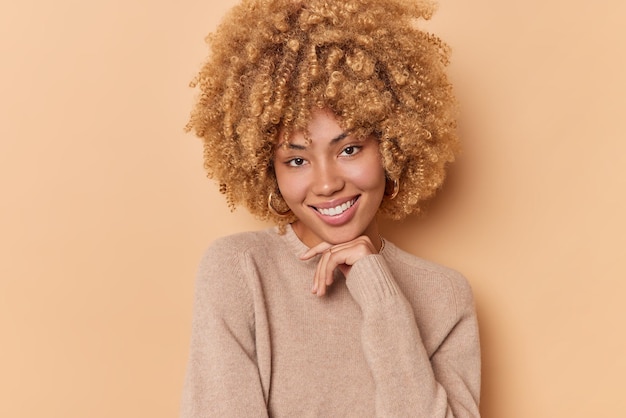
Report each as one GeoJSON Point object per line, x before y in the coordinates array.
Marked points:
{"type": "Point", "coordinates": [273, 210]}
{"type": "Point", "coordinates": [396, 189]}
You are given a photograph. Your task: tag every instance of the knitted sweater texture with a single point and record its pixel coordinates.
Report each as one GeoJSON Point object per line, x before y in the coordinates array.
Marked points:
{"type": "Point", "coordinates": [397, 337]}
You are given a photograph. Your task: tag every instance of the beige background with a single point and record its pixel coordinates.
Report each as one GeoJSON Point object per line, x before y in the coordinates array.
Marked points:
{"type": "Point", "coordinates": [105, 210]}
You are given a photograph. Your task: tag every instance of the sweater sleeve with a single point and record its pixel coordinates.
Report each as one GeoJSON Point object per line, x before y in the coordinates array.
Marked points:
{"type": "Point", "coordinates": [408, 382]}
{"type": "Point", "coordinates": [222, 377]}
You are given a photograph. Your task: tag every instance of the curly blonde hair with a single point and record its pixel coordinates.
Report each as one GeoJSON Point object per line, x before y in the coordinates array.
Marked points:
{"type": "Point", "coordinates": [273, 61]}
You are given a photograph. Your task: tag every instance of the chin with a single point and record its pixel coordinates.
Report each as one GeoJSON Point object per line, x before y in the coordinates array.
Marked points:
{"type": "Point", "coordinates": [340, 237]}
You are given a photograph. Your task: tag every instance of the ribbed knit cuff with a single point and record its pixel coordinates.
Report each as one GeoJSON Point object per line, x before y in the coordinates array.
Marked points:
{"type": "Point", "coordinates": [370, 281]}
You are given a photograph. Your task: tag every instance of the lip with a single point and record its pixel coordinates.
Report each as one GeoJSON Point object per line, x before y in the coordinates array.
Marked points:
{"type": "Point", "coordinates": [342, 218]}
{"type": "Point", "coordinates": [335, 202]}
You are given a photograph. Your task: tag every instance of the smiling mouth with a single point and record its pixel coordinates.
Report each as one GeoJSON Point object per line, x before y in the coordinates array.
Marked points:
{"type": "Point", "coordinates": [337, 210]}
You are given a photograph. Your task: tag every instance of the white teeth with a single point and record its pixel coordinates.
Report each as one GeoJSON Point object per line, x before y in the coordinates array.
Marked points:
{"type": "Point", "coordinates": [337, 210]}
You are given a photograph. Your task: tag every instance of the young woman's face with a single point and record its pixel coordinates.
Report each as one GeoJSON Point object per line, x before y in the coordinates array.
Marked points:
{"type": "Point", "coordinates": [334, 185]}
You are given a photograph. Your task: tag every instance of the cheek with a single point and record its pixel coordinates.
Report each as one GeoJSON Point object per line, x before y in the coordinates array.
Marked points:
{"type": "Point", "coordinates": [370, 175]}
{"type": "Point", "coordinates": [289, 186]}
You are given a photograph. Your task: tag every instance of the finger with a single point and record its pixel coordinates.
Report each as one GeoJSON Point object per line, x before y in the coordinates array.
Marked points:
{"type": "Point", "coordinates": [317, 274]}
{"type": "Point", "coordinates": [335, 259]}
{"type": "Point", "coordinates": [318, 249]}
{"type": "Point", "coordinates": [320, 279]}
{"type": "Point", "coordinates": [341, 256]}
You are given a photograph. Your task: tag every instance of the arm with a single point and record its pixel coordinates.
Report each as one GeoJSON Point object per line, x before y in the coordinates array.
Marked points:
{"type": "Point", "coordinates": [408, 382]}
{"type": "Point", "coordinates": [222, 376]}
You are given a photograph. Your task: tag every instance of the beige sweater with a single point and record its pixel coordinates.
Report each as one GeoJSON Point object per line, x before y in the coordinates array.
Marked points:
{"type": "Point", "coordinates": [397, 338]}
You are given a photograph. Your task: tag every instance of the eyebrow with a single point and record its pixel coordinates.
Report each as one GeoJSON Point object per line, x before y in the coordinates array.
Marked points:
{"type": "Point", "coordinates": [339, 138]}
{"type": "Point", "coordinates": [333, 141]}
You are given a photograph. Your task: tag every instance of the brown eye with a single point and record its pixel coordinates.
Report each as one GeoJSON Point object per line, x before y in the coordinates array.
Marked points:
{"type": "Point", "coordinates": [296, 162]}
{"type": "Point", "coordinates": [351, 150]}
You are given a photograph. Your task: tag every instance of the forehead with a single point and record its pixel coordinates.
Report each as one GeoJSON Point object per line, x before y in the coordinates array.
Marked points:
{"type": "Point", "coordinates": [323, 126]}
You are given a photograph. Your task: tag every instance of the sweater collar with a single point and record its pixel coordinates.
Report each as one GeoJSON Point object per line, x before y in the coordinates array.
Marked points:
{"type": "Point", "coordinates": [292, 240]}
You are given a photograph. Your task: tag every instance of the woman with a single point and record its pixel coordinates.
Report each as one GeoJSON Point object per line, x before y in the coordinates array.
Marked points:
{"type": "Point", "coordinates": [322, 115]}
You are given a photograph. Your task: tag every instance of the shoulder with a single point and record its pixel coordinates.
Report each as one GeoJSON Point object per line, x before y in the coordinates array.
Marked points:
{"type": "Point", "coordinates": [234, 246]}
{"type": "Point", "coordinates": [244, 240]}
{"type": "Point", "coordinates": [225, 263]}
{"type": "Point", "coordinates": [427, 274]}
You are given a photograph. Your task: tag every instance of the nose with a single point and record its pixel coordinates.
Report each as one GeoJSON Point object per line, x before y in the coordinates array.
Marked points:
{"type": "Point", "coordinates": [327, 180]}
